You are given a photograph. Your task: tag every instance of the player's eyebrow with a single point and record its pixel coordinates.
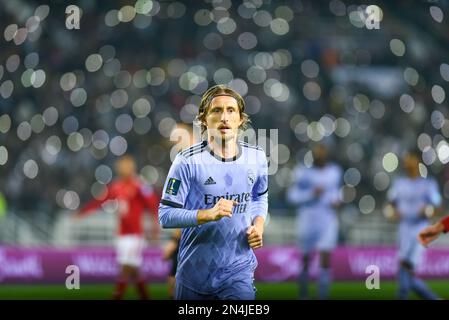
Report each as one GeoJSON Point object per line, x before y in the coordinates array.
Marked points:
{"type": "Point", "coordinates": [222, 106]}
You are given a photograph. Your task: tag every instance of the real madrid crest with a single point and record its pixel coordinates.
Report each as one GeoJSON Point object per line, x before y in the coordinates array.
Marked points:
{"type": "Point", "coordinates": [251, 177]}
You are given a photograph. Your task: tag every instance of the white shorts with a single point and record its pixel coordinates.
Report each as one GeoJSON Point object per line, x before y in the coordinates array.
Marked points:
{"type": "Point", "coordinates": [410, 249]}
{"type": "Point", "coordinates": [130, 250]}
{"type": "Point", "coordinates": [317, 233]}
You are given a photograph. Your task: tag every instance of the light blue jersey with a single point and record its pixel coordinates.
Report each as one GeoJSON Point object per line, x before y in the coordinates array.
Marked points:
{"type": "Point", "coordinates": [317, 221]}
{"type": "Point", "coordinates": [214, 254]}
{"type": "Point", "coordinates": [411, 196]}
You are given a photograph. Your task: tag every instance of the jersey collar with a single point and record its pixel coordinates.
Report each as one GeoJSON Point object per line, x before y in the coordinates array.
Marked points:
{"type": "Point", "coordinates": [216, 156]}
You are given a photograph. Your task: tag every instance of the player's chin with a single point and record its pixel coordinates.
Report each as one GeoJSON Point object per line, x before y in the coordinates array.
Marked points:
{"type": "Point", "coordinates": [227, 135]}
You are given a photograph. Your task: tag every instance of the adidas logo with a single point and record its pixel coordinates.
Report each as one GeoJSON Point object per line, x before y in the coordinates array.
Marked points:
{"type": "Point", "coordinates": [209, 181]}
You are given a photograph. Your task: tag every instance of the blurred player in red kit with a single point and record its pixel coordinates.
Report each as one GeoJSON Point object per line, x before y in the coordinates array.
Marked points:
{"type": "Point", "coordinates": [133, 196]}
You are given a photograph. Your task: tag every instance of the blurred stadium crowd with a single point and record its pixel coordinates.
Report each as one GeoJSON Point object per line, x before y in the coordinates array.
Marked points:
{"type": "Point", "coordinates": [71, 101]}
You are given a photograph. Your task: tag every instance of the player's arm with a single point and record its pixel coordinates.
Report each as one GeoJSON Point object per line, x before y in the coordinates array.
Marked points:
{"type": "Point", "coordinates": [255, 233]}
{"type": "Point", "coordinates": [172, 213]}
{"type": "Point", "coordinates": [223, 208]}
{"type": "Point", "coordinates": [150, 198]}
{"type": "Point", "coordinates": [258, 213]}
{"type": "Point", "coordinates": [391, 212]}
{"type": "Point", "coordinates": [445, 223]}
{"type": "Point", "coordinates": [94, 204]}
{"type": "Point", "coordinates": [259, 207]}
{"type": "Point", "coordinates": [431, 233]}
{"type": "Point", "coordinates": [434, 201]}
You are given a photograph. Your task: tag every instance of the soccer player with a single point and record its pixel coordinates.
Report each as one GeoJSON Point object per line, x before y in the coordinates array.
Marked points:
{"type": "Point", "coordinates": [217, 191]}
{"type": "Point", "coordinates": [431, 233]}
{"type": "Point", "coordinates": [132, 197]}
{"type": "Point", "coordinates": [412, 199]}
{"type": "Point", "coordinates": [316, 192]}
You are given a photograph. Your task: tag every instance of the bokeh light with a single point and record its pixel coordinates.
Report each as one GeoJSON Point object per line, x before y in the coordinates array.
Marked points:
{"type": "Point", "coordinates": [390, 162]}
{"type": "Point", "coordinates": [3, 155]}
{"type": "Point", "coordinates": [30, 169]}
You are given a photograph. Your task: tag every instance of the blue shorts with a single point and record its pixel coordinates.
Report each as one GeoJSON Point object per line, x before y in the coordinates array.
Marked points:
{"type": "Point", "coordinates": [235, 290]}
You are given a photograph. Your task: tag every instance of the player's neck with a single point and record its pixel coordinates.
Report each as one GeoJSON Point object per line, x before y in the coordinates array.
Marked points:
{"type": "Point", "coordinates": [224, 149]}
{"type": "Point", "coordinates": [414, 175]}
{"type": "Point", "coordinates": [127, 178]}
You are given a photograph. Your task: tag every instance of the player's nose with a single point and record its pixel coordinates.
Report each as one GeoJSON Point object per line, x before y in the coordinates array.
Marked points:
{"type": "Point", "coordinates": [224, 117]}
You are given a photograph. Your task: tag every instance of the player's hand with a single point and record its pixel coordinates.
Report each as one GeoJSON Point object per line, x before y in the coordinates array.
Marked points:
{"type": "Point", "coordinates": [429, 234]}
{"type": "Point", "coordinates": [396, 215]}
{"type": "Point", "coordinates": [391, 213]}
{"type": "Point", "coordinates": [223, 208]}
{"type": "Point", "coordinates": [255, 237]}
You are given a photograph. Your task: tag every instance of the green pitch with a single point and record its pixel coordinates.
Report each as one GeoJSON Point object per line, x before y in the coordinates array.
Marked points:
{"type": "Point", "coordinates": [283, 291]}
